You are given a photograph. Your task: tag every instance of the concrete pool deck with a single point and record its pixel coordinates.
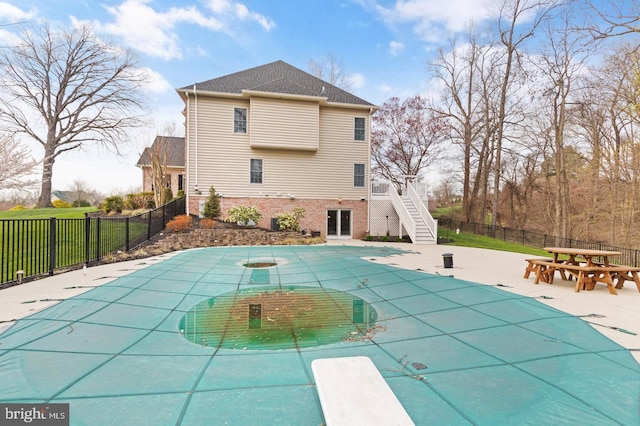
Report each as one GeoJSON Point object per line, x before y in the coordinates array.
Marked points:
{"type": "Point", "coordinates": [472, 344]}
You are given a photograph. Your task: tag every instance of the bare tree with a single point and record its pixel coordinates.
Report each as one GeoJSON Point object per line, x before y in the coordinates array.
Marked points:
{"type": "Point", "coordinates": [406, 137]}
{"type": "Point", "coordinates": [469, 91]}
{"type": "Point", "coordinates": [82, 191]}
{"type": "Point", "coordinates": [330, 69]}
{"type": "Point", "coordinates": [619, 18]}
{"type": "Point", "coordinates": [17, 167]}
{"type": "Point", "coordinates": [560, 65]}
{"type": "Point", "coordinates": [66, 89]}
{"type": "Point", "coordinates": [158, 155]}
{"type": "Point", "coordinates": [518, 22]}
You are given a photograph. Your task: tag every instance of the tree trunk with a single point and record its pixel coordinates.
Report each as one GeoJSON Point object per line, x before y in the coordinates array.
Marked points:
{"type": "Point", "coordinates": [47, 173]}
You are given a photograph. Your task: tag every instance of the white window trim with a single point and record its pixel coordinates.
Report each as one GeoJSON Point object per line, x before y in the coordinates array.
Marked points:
{"type": "Point", "coordinates": [364, 137]}
{"type": "Point", "coordinates": [246, 124]}
{"type": "Point", "coordinates": [261, 171]}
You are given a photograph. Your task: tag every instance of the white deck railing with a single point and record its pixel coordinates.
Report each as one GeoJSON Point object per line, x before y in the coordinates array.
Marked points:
{"type": "Point", "coordinates": [403, 213]}
{"type": "Point", "coordinates": [431, 223]}
{"type": "Point", "coordinates": [380, 189]}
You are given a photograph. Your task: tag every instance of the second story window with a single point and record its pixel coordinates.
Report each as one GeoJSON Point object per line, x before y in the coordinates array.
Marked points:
{"type": "Point", "coordinates": [256, 171]}
{"type": "Point", "coordinates": [358, 175]}
{"type": "Point", "coordinates": [358, 132]}
{"type": "Point", "coordinates": [239, 120]}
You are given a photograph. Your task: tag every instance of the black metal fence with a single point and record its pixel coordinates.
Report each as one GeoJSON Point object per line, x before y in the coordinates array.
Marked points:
{"type": "Point", "coordinates": [32, 247]}
{"type": "Point", "coordinates": [630, 257]}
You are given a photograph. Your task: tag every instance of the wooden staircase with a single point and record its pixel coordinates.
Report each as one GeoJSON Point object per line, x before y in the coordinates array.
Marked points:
{"type": "Point", "coordinates": [423, 234]}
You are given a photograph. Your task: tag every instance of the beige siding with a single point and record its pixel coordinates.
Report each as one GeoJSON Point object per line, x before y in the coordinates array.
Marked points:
{"type": "Point", "coordinates": [223, 157]}
{"type": "Point", "coordinates": [284, 124]}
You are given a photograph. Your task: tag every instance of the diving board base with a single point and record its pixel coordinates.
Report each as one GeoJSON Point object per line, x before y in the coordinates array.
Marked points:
{"type": "Point", "coordinates": [353, 392]}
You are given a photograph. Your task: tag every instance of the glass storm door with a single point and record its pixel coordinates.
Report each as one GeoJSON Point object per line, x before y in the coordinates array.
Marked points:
{"type": "Point", "coordinates": [339, 223]}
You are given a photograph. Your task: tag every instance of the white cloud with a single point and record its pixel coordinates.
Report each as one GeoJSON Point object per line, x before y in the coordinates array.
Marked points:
{"type": "Point", "coordinates": [245, 14]}
{"type": "Point", "coordinates": [157, 83]}
{"type": "Point", "coordinates": [432, 17]}
{"type": "Point", "coordinates": [385, 88]}
{"type": "Point", "coordinates": [11, 13]}
{"type": "Point", "coordinates": [395, 47]}
{"type": "Point", "coordinates": [356, 80]}
{"type": "Point", "coordinates": [154, 32]}
{"type": "Point", "coordinates": [236, 10]}
{"type": "Point", "coordinates": [8, 38]}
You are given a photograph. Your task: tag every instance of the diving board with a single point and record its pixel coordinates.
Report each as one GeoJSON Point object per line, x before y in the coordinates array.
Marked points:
{"type": "Point", "coordinates": [353, 392]}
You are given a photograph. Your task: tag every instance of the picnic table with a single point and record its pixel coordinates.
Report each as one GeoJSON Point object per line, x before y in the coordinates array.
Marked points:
{"type": "Point", "coordinates": [587, 266]}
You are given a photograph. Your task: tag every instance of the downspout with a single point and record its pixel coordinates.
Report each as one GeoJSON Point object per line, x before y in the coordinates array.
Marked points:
{"type": "Point", "coordinates": [195, 95]}
{"type": "Point", "coordinates": [369, 184]}
{"type": "Point", "coordinates": [186, 138]}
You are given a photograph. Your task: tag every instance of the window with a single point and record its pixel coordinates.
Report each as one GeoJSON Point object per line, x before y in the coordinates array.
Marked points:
{"type": "Point", "coordinates": [168, 177]}
{"type": "Point", "coordinates": [180, 182]}
{"type": "Point", "coordinates": [256, 171]}
{"type": "Point", "coordinates": [358, 175]}
{"type": "Point", "coordinates": [358, 132]}
{"type": "Point", "coordinates": [239, 120]}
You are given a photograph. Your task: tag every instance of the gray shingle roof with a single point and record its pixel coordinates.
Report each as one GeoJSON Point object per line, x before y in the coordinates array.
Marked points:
{"type": "Point", "coordinates": [278, 77]}
{"type": "Point", "coordinates": [173, 146]}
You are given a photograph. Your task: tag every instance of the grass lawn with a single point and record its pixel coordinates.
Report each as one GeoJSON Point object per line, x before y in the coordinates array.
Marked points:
{"type": "Point", "coordinates": [71, 213]}
{"type": "Point", "coordinates": [25, 238]}
{"type": "Point", "coordinates": [482, 241]}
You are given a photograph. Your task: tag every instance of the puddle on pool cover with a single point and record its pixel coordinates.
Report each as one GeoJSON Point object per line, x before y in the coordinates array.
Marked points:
{"type": "Point", "coordinates": [278, 318]}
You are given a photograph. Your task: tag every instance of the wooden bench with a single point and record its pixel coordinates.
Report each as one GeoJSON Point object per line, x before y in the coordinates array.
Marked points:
{"type": "Point", "coordinates": [586, 276]}
{"type": "Point", "coordinates": [533, 266]}
{"type": "Point", "coordinates": [353, 392]}
{"type": "Point", "coordinates": [624, 273]}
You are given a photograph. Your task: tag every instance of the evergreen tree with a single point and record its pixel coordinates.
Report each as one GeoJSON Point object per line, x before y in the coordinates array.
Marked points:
{"type": "Point", "coordinates": [212, 206]}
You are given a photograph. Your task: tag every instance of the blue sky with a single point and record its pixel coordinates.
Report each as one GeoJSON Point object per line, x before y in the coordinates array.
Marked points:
{"type": "Point", "coordinates": [384, 45]}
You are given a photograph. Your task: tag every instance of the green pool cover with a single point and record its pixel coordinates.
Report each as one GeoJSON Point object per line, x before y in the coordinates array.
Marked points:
{"type": "Point", "coordinates": [200, 338]}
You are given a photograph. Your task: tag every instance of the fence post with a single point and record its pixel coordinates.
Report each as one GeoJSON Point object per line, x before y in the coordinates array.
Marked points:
{"type": "Point", "coordinates": [87, 238]}
{"type": "Point", "coordinates": [52, 245]}
{"type": "Point", "coordinates": [98, 255]}
{"type": "Point", "coordinates": [149, 226]}
{"type": "Point", "coordinates": [126, 230]}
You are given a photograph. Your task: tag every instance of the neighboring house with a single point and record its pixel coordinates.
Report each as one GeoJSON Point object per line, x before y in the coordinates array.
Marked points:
{"type": "Point", "coordinates": [276, 137]}
{"type": "Point", "coordinates": [66, 196]}
{"type": "Point", "coordinates": [172, 149]}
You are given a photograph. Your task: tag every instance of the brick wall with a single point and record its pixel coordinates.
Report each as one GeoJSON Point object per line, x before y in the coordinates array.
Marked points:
{"type": "Point", "coordinates": [147, 184]}
{"type": "Point", "coordinates": [315, 217]}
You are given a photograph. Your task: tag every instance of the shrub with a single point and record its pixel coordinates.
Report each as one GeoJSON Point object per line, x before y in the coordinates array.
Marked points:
{"type": "Point", "coordinates": [212, 205]}
{"type": "Point", "coordinates": [207, 223]}
{"type": "Point", "coordinates": [18, 207]}
{"type": "Point", "coordinates": [81, 203]}
{"type": "Point", "coordinates": [180, 193]}
{"type": "Point", "coordinates": [141, 200]}
{"type": "Point", "coordinates": [113, 204]}
{"type": "Point", "coordinates": [180, 223]}
{"type": "Point", "coordinates": [59, 204]}
{"type": "Point", "coordinates": [243, 215]}
{"type": "Point", "coordinates": [168, 195]}
{"type": "Point", "coordinates": [290, 221]}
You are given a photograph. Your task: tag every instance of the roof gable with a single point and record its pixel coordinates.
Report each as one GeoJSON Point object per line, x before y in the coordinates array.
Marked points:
{"type": "Point", "coordinates": [172, 146]}
{"type": "Point", "coordinates": [278, 77]}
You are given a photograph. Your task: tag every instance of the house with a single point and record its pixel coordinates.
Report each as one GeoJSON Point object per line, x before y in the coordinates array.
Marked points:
{"type": "Point", "coordinates": [276, 137]}
{"type": "Point", "coordinates": [170, 150]}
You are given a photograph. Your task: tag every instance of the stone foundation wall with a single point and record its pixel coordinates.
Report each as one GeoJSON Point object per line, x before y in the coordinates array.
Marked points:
{"type": "Point", "coordinates": [222, 237]}
{"type": "Point", "coordinates": [315, 217]}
